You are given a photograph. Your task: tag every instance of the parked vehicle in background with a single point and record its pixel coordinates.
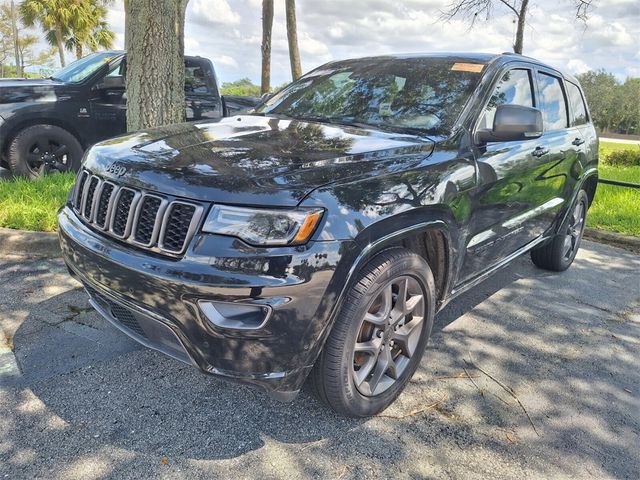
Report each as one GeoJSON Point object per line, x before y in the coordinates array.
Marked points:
{"type": "Point", "coordinates": [46, 124]}
{"type": "Point", "coordinates": [322, 233]}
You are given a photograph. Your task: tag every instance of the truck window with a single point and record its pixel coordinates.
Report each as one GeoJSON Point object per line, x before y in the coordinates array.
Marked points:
{"type": "Point", "coordinates": [578, 108]}
{"type": "Point", "coordinates": [552, 102]}
{"type": "Point", "coordinates": [514, 88]}
{"type": "Point", "coordinates": [195, 79]}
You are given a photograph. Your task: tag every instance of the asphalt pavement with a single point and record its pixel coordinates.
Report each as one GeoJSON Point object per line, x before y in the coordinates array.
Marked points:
{"type": "Point", "coordinates": [554, 390]}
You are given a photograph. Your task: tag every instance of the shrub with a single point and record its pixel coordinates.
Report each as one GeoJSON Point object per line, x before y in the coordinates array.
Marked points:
{"type": "Point", "coordinates": [624, 158]}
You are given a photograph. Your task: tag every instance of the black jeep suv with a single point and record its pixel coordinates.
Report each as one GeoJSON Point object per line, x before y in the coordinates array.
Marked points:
{"type": "Point", "coordinates": [321, 233]}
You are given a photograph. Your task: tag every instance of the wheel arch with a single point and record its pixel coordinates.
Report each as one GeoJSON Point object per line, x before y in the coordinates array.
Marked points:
{"type": "Point", "coordinates": [30, 122]}
{"type": "Point", "coordinates": [432, 240]}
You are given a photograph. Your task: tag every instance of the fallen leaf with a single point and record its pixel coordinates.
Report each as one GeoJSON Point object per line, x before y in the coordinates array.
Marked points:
{"type": "Point", "coordinates": [164, 461]}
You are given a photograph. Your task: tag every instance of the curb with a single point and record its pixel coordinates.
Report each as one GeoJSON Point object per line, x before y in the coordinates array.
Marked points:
{"type": "Point", "coordinates": [616, 239]}
{"type": "Point", "coordinates": [22, 242]}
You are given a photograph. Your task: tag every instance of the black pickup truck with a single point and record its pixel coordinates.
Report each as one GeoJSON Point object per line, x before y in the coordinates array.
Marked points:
{"type": "Point", "coordinates": [46, 124]}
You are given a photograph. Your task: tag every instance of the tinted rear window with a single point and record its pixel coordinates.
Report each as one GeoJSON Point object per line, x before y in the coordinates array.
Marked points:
{"type": "Point", "coordinates": [552, 102]}
{"type": "Point", "coordinates": [578, 108]}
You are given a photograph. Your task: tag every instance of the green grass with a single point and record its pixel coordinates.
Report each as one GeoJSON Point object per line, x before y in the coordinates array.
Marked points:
{"type": "Point", "coordinates": [607, 147]}
{"type": "Point", "coordinates": [617, 208]}
{"type": "Point", "coordinates": [32, 205]}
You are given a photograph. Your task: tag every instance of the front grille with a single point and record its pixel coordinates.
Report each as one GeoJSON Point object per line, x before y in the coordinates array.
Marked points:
{"type": "Point", "coordinates": [122, 314]}
{"type": "Point", "coordinates": [122, 213]}
{"type": "Point", "coordinates": [159, 223]}
{"type": "Point", "coordinates": [103, 204]}
{"type": "Point", "coordinates": [175, 231]}
{"type": "Point", "coordinates": [146, 226]}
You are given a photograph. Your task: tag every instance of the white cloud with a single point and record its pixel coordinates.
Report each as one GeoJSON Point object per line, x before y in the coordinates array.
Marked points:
{"type": "Point", "coordinates": [215, 12]}
{"type": "Point", "coordinates": [229, 32]}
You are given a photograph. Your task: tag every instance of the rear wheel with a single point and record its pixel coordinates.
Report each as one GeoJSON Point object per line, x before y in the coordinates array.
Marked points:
{"type": "Point", "coordinates": [41, 149]}
{"type": "Point", "coordinates": [558, 254]}
{"type": "Point", "coordinates": [379, 337]}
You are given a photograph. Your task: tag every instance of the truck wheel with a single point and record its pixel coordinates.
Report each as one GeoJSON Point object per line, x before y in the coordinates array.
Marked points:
{"type": "Point", "coordinates": [379, 337]}
{"type": "Point", "coordinates": [41, 149]}
{"type": "Point", "coordinates": [558, 253]}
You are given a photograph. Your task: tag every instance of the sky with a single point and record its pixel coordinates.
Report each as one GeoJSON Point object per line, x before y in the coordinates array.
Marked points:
{"type": "Point", "coordinates": [230, 32]}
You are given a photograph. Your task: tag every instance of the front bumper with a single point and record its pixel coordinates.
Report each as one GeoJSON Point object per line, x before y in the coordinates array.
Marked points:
{"type": "Point", "coordinates": [155, 300]}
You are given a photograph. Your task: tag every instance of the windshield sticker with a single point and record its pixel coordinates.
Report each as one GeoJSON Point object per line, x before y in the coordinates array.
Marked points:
{"type": "Point", "coordinates": [467, 67]}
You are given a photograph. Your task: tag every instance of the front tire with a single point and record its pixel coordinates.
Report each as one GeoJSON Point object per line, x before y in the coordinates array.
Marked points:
{"type": "Point", "coordinates": [558, 254]}
{"type": "Point", "coordinates": [41, 149]}
{"type": "Point", "coordinates": [379, 336]}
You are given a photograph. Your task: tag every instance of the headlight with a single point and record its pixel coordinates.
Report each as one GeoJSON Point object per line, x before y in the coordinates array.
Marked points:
{"type": "Point", "coordinates": [266, 227]}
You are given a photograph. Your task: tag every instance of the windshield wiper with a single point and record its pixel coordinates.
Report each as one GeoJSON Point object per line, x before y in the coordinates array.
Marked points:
{"type": "Point", "coordinates": [55, 79]}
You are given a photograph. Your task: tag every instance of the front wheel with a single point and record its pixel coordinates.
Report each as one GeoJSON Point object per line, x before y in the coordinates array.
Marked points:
{"type": "Point", "coordinates": [41, 149]}
{"type": "Point", "coordinates": [559, 252]}
{"type": "Point", "coordinates": [379, 336]}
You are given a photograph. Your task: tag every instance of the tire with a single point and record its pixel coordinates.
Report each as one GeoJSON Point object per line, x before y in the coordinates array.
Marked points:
{"type": "Point", "coordinates": [350, 382]}
{"type": "Point", "coordinates": [558, 253]}
{"type": "Point", "coordinates": [41, 149]}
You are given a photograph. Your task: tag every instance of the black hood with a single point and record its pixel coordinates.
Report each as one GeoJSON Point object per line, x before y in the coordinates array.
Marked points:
{"type": "Point", "coordinates": [251, 160]}
{"type": "Point", "coordinates": [15, 90]}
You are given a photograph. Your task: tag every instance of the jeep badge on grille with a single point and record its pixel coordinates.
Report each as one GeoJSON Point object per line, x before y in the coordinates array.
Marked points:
{"type": "Point", "coordinates": [116, 169]}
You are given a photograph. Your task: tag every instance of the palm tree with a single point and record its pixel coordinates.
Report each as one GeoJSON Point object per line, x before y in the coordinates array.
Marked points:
{"type": "Point", "coordinates": [267, 26]}
{"type": "Point", "coordinates": [90, 30]}
{"type": "Point", "coordinates": [54, 17]}
{"type": "Point", "coordinates": [292, 36]}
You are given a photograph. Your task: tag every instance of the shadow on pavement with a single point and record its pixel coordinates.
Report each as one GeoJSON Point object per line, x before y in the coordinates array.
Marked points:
{"type": "Point", "coordinates": [567, 345]}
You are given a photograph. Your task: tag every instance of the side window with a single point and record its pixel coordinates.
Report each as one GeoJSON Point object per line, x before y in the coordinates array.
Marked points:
{"type": "Point", "coordinates": [514, 88]}
{"type": "Point", "coordinates": [195, 80]}
{"type": "Point", "coordinates": [578, 108]}
{"type": "Point", "coordinates": [118, 70]}
{"type": "Point", "coordinates": [552, 102]}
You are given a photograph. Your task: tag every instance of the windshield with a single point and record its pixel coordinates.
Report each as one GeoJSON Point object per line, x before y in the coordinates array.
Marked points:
{"type": "Point", "coordinates": [81, 69]}
{"type": "Point", "coordinates": [426, 94]}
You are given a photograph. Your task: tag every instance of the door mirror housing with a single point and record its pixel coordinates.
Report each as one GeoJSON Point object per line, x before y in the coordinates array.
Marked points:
{"type": "Point", "coordinates": [113, 82]}
{"type": "Point", "coordinates": [512, 123]}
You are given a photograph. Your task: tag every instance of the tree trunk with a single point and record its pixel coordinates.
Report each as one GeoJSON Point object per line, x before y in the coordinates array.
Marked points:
{"type": "Point", "coordinates": [60, 45]}
{"type": "Point", "coordinates": [267, 26]}
{"type": "Point", "coordinates": [292, 36]}
{"type": "Point", "coordinates": [16, 38]}
{"type": "Point", "coordinates": [517, 47]}
{"type": "Point", "coordinates": [154, 38]}
{"type": "Point", "coordinates": [79, 52]}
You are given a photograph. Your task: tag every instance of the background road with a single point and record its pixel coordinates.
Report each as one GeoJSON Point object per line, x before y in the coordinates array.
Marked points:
{"type": "Point", "coordinates": [83, 401]}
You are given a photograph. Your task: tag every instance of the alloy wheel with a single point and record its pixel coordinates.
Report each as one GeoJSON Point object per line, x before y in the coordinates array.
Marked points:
{"type": "Point", "coordinates": [388, 336]}
{"type": "Point", "coordinates": [574, 231]}
{"type": "Point", "coordinates": [48, 155]}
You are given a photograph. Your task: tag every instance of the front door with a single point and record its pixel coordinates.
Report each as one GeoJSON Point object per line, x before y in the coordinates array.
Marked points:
{"type": "Point", "coordinates": [108, 103]}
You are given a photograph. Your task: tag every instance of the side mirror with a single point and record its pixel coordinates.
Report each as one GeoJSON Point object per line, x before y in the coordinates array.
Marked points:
{"type": "Point", "coordinates": [111, 83]}
{"type": "Point", "coordinates": [512, 123]}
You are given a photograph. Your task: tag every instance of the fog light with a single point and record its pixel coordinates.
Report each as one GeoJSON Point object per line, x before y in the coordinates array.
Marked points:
{"type": "Point", "coordinates": [239, 316]}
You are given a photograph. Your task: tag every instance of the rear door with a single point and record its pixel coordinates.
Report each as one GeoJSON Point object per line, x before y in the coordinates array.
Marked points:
{"type": "Point", "coordinates": [555, 174]}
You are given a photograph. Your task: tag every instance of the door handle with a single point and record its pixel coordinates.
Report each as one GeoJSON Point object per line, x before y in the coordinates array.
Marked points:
{"type": "Point", "coordinates": [540, 151]}
{"type": "Point", "coordinates": [577, 141]}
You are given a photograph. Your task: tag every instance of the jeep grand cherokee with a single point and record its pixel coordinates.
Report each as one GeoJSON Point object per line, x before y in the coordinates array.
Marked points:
{"type": "Point", "coordinates": [321, 233]}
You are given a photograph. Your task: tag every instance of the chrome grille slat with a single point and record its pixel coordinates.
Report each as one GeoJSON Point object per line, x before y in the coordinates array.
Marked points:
{"type": "Point", "coordinates": [147, 220]}
{"type": "Point", "coordinates": [88, 200]}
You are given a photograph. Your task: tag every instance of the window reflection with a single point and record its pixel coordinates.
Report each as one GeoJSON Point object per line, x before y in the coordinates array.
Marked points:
{"type": "Point", "coordinates": [514, 88]}
{"type": "Point", "coordinates": [552, 103]}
